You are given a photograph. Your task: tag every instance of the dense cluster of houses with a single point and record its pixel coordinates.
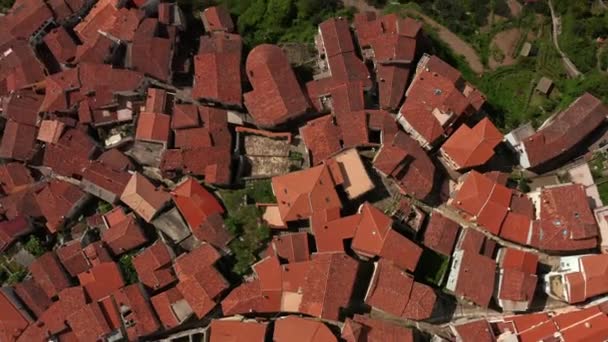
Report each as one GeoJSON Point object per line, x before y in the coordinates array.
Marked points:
{"type": "Point", "coordinates": [393, 163]}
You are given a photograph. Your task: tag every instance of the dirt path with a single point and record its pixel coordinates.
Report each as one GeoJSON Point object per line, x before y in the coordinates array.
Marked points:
{"type": "Point", "coordinates": [506, 41]}
{"type": "Point", "coordinates": [570, 67]}
{"type": "Point", "coordinates": [458, 45]}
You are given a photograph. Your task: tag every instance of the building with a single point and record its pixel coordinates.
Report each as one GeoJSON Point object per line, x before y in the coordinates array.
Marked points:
{"type": "Point", "coordinates": [103, 182]}
{"type": "Point", "coordinates": [578, 278]}
{"type": "Point", "coordinates": [472, 277]}
{"type": "Point", "coordinates": [544, 86]}
{"type": "Point", "coordinates": [558, 138]}
{"type": "Point", "coordinates": [122, 233]}
{"type": "Point", "coordinates": [276, 96]}
{"type": "Point", "coordinates": [517, 279]}
{"type": "Point", "coordinates": [471, 147]}
{"type": "Point", "coordinates": [437, 101]}
{"type": "Point", "coordinates": [364, 328]}
{"type": "Point", "coordinates": [441, 234]}
{"type": "Point", "coordinates": [143, 197]}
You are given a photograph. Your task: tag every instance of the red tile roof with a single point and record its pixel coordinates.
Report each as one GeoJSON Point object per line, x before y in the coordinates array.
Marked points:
{"type": "Point", "coordinates": [61, 45]}
{"type": "Point", "coordinates": [368, 329]}
{"type": "Point", "coordinates": [391, 291]}
{"type": "Point", "coordinates": [32, 295]}
{"type": "Point", "coordinates": [392, 84]}
{"type": "Point", "coordinates": [236, 331]}
{"type": "Point", "coordinates": [50, 131]}
{"type": "Point", "coordinates": [218, 69]}
{"type": "Point", "coordinates": [106, 179]}
{"type": "Point", "coordinates": [211, 162]}
{"type": "Point", "coordinates": [89, 323]}
{"type": "Point", "coordinates": [302, 193]}
{"type": "Point", "coordinates": [18, 141]}
{"type": "Point", "coordinates": [144, 321]}
{"type": "Point", "coordinates": [184, 116]}
{"type": "Point", "coordinates": [475, 279]}
{"type": "Point", "coordinates": [590, 281]}
{"type": "Point", "coordinates": [195, 202]}
{"type": "Point", "coordinates": [336, 36]}
{"type": "Point", "coordinates": [73, 258]}
{"type": "Point", "coordinates": [124, 236]}
{"type": "Point", "coordinates": [22, 107]}
{"type": "Point", "coordinates": [48, 273]}
{"type": "Point", "coordinates": [143, 197]}
{"type": "Point", "coordinates": [402, 158]}
{"type": "Point", "coordinates": [276, 97]}
{"type": "Point", "coordinates": [58, 201]}
{"type": "Point", "coordinates": [322, 138]}
{"type": "Point", "coordinates": [69, 157]}
{"type": "Point", "coordinates": [328, 285]}
{"type": "Point", "coordinates": [22, 203]}
{"type": "Point", "coordinates": [187, 265]}
{"type": "Point", "coordinates": [20, 67]}
{"type": "Point", "coordinates": [153, 127]}
{"type": "Point", "coordinates": [217, 18]}
{"type": "Point", "coordinates": [11, 230]}
{"type": "Point", "coordinates": [470, 147]}
{"type": "Point", "coordinates": [14, 319]}
{"type": "Point", "coordinates": [101, 280]}
{"type": "Point", "coordinates": [202, 289]}
{"type": "Point", "coordinates": [153, 266]}
{"type": "Point", "coordinates": [475, 331]}
{"type": "Point", "coordinates": [441, 234]}
{"type": "Point", "coordinates": [150, 54]}
{"type": "Point", "coordinates": [298, 329]}
{"type": "Point", "coordinates": [330, 233]}
{"type": "Point", "coordinates": [292, 247]}
{"type": "Point", "coordinates": [565, 131]}
{"type": "Point", "coordinates": [14, 177]}
{"type": "Point", "coordinates": [156, 100]}
{"type": "Point", "coordinates": [116, 160]}
{"type": "Point", "coordinates": [164, 304]}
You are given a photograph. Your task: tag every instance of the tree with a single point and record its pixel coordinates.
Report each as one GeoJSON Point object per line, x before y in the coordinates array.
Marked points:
{"type": "Point", "coordinates": [34, 246]}
{"type": "Point", "coordinates": [127, 269]}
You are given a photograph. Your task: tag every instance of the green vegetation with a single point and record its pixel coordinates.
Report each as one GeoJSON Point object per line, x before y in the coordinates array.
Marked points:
{"type": "Point", "coordinates": [432, 267]}
{"type": "Point", "coordinates": [127, 269]}
{"type": "Point", "coordinates": [245, 223]}
{"type": "Point", "coordinates": [34, 246]}
{"type": "Point", "coordinates": [17, 276]}
{"type": "Point", "coordinates": [104, 207]}
{"type": "Point", "coordinates": [281, 21]}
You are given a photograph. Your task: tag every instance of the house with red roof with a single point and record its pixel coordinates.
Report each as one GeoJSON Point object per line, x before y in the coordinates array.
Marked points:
{"type": "Point", "coordinates": [145, 199]}
{"type": "Point", "coordinates": [76, 259]}
{"type": "Point", "coordinates": [122, 233]}
{"type": "Point", "coordinates": [50, 131]}
{"type": "Point", "coordinates": [217, 18]}
{"type": "Point", "coordinates": [202, 212]}
{"type": "Point", "coordinates": [300, 194]}
{"type": "Point", "coordinates": [200, 283]}
{"type": "Point", "coordinates": [20, 204]}
{"type": "Point", "coordinates": [61, 45]}
{"type": "Point", "coordinates": [441, 234]}
{"type": "Point", "coordinates": [14, 177]}
{"type": "Point", "coordinates": [11, 230]}
{"type": "Point", "coordinates": [402, 159]}
{"type": "Point", "coordinates": [374, 236]}
{"type": "Point", "coordinates": [218, 69]}
{"type": "Point", "coordinates": [395, 293]}
{"type": "Point", "coordinates": [14, 317]}
{"type": "Point", "coordinates": [299, 329]}
{"type": "Point", "coordinates": [436, 102]}
{"type": "Point", "coordinates": [472, 277]}
{"type": "Point", "coordinates": [22, 107]}
{"type": "Point", "coordinates": [276, 96]}
{"type": "Point", "coordinates": [292, 247]}
{"type": "Point", "coordinates": [171, 307]}
{"type": "Point", "coordinates": [32, 295]}
{"type": "Point", "coordinates": [131, 306]}
{"type": "Point", "coordinates": [237, 330]}
{"type": "Point", "coordinates": [470, 147]}
{"type": "Point", "coordinates": [479, 330]}
{"type": "Point", "coordinates": [153, 266]}
{"type": "Point", "coordinates": [103, 182]}
{"type": "Point", "coordinates": [69, 157]}
{"type": "Point", "coordinates": [18, 141]}
{"type": "Point", "coordinates": [150, 53]}
{"type": "Point", "coordinates": [365, 328]}
{"type": "Point", "coordinates": [559, 138]}
{"type": "Point", "coordinates": [390, 42]}
{"type": "Point", "coordinates": [153, 127]}
{"type": "Point", "coordinates": [48, 273]}
{"type": "Point", "coordinates": [578, 278]}
{"type": "Point", "coordinates": [101, 280]}
{"type": "Point", "coordinates": [517, 279]}
{"type": "Point", "coordinates": [60, 201]}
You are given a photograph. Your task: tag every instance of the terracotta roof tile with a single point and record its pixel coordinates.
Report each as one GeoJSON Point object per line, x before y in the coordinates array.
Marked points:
{"type": "Point", "coordinates": [390, 289]}
{"type": "Point", "coordinates": [89, 322]}
{"type": "Point", "coordinates": [48, 273]}
{"type": "Point", "coordinates": [18, 141]}
{"type": "Point", "coordinates": [102, 177]}
{"type": "Point", "coordinates": [217, 18]}
{"type": "Point", "coordinates": [195, 202]}
{"type": "Point", "coordinates": [124, 235]}
{"type": "Point", "coordinates": [377, 330]}
{"type": "Point", "coordinates": [32, 295]}
{"type": "Point", "coordinates": [336, 36]}
{"type": "Point", "coordinates": [167, 305]}
{"type": "Point", "coordinates": [60, 43]}
{"type": "Point", "coordinates": [145, 322]}
{"type": "Point", "coordinates": [567, 129]}
{"type": "Point", "coordinates": [297, 329]}
{"type": "Point", "coordinates": [475, 279]}
{"type": "Point", "coordinates": [57, 201]}
{"type": "Point", "coordinates": [150, 54]}
{"type": "Point", "coordinates": [184, 116]}
{"type": "Point", "coordinates": [20, 204]}
{"type": "Point", "coordinates": [153, 266]}
{"type": "Point", "coordinates": [276, 96]}
{"type": "Point", "coordinates": [292, 247]}
{"type": "Point", "coordinates": [116, 160]}
{"type": "Point", "coordinates": [153, 127]}
{"type": "Point", "coordinates": [70, 156]}
{"type": "Point", "coordinates": [235, 331]}
{"type": "Point", "coordinates": [470, 147]}
{"type": "Point", "coordinates": [101, 280]}
{"type": "Point", "coordinates": [143, 197]}
{"type": "Point", "coordinates": [22, 107]}
{"type": "Point", "coordinates": [14, 177]}
{"type": "Point", "coordinates": [441, 234]}
{"type": "Point", "coordinates": [479, 330]}
{"type": "Point", "coordinates": [328, 285]}
{"type": "Point", "coordinates": [201, 289]}
{"type": "Point", "coordinates": [187, 265]}
{"type": "Point", "coordinates": [50, 131]}
{"type": "Point", "coordinates": [72, 258]}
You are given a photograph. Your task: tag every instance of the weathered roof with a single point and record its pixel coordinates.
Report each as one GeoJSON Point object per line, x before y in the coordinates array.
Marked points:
{"type": "Point", "coordinates": [470, 147]}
